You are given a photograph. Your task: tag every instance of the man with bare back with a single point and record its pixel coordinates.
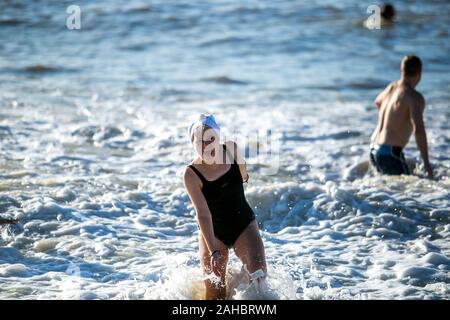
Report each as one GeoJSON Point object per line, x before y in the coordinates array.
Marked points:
{"type": "Point", "coordinates": [400, 113]}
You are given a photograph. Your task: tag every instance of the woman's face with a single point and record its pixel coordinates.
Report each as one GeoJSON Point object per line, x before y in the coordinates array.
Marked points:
{"type": "Point", "coordinates": [206, 141]}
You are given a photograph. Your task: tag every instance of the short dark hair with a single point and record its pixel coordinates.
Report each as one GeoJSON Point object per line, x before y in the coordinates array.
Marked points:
{"type": "Point", "coordinates": [388, 11]}
{"type": "Point", "coordinates": [411, 66]}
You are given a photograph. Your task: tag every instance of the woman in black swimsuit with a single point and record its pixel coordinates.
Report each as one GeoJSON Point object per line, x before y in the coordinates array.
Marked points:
{"type": "Point", "coordinates": [215, 186]}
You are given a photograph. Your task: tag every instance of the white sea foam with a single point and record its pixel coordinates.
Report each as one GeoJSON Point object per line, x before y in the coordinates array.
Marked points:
{"type": "Point", "coordinates": [92, 156]}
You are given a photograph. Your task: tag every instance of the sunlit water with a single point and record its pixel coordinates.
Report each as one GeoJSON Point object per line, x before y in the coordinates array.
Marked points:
{"type": "Point", "coordinates": [93, 129]}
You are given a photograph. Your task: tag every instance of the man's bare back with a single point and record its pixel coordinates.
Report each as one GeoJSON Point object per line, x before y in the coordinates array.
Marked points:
{"type": "Point", "coordinates": [394, 117]}
{"type": "Point", "coordinates": [400, 114]}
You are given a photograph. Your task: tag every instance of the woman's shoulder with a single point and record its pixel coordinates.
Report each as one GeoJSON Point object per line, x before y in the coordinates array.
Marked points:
{"type": "Point", "coordinates": [190, 170]}
{"type": "Point", "coordinates": [190, 177]}
{"type": "Point", "coordinates": [231, 145]}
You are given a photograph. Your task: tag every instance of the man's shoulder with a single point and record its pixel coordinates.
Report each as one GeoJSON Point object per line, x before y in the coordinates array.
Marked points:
{"type": "Point", "coordinates": [417, 97]}
{"type": "Point", "coordinates": [392, 85]}
{"type": "Point", "coordinates": [420, 97]}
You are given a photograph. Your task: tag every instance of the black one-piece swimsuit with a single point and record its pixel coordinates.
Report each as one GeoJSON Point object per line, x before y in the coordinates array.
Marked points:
{"type": "Point", "coordinates": [225, 197]}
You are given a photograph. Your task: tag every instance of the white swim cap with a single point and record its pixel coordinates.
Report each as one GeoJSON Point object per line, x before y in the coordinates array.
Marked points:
{"type": "Point", "coordinates": [203, 119]}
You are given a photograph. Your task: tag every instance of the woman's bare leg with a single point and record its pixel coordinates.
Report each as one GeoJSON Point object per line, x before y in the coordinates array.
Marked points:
{"type": "Point", "coordinates": [250, 249]}
{"type": "Point", "coordinates": [214, 291]}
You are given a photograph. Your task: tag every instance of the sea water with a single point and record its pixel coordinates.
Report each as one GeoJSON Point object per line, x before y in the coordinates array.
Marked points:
{"type": "Point", "coordinates": [93, 140]}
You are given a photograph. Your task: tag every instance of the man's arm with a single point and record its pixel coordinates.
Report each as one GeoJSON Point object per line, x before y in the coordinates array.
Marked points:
{"type": "Point", "coordinates": [383, 95]}
{"type": "Point", "coordinates": [416, 113]}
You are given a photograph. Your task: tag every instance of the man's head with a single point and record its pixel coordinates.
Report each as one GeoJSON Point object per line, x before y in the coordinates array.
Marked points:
{"type": "Point", "coordinates": [411, 69]}
{"type": "Point", "coordinates": [388, 12]}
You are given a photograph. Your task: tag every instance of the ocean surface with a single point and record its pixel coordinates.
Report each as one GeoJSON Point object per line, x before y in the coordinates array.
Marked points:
{"type": "Point", "coordinates": [93, 144]}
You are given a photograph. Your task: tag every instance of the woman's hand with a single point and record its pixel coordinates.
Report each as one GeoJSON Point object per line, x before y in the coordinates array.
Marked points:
{"type": "Point", "coordinates": [429, 171]}
{"type": "Point", "coordinates": [215, 263]}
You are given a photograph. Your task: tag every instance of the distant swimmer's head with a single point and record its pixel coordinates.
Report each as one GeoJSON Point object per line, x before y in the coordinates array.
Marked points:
{"type": "Point", "coordinates": [388, 12]}
{"type": "Point", "coordinates": [383, 16]}
{"type": "Point", "coordinates": [204, 133]}
{"type": "Point", "coordinates": [411, 68]}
